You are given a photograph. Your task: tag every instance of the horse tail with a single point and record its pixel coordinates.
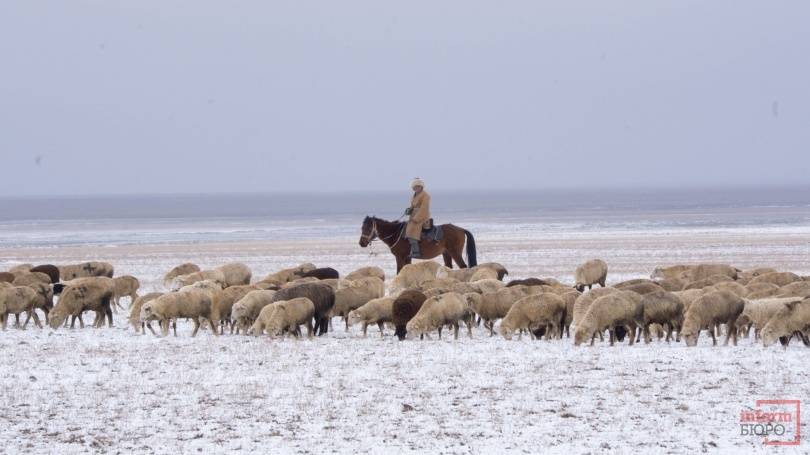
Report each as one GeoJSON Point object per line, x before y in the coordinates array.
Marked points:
{"type": "Point", "coordinates": [472, 260]}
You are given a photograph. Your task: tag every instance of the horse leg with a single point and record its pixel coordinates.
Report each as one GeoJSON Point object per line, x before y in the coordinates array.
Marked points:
{"type": "Point", "coordinates": [448, 260]}
{"type": "Point", "coordinates": [457, 256]}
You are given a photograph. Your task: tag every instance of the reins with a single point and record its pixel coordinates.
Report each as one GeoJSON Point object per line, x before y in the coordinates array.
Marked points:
{"type": "Point", "coordinates": [375, 234]}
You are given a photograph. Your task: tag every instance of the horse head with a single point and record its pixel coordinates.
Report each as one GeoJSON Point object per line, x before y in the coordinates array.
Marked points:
{"type": "Point", "coordinates": [368, 232]}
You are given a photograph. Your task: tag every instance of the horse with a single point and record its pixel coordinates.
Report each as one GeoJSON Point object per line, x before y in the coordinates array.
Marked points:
{"type": "Point", "coordinates": [392, 233]}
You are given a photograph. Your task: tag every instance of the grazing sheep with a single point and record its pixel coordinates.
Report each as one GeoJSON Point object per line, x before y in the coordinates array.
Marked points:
{"type": "Point", "coordinates": [236, 274]}
{"type": "Point", "coordinates": [227, 298]}
{"type": "Point", "coordinates": [642, 288]}
{"type": "Point", "coordinates": [286, 316]}
{"type": "Point", "coordinates": [709, 310]}
{"type": "Point", "coordinates": [405, 307]}
{"type": "Point", "coordinates": [182, 269]}
{"type": "Point", "coordinates": [484, 273]}
{"type": "Point", "coordinates": [135, 312]}
{"type": "Point", "coordinates": [482, 286]}
{"type": "Point", "coordinates": [585, 300]}
{"type": "Point", "coordinates": [203, 275]}
{"type": "Point", "coordinates": [496, 305]}
{"type": "Point", "coordinates": [590, 273]}
{"type": "Point", "coordinates": [703, 271]}
{"type": "Point", "coordinates": [355, 294]}
{"type": "Point", "coordinates": [778, 278]}
{"type": "Point", "coordinates": [48, 269]}
{"type": "Point", "coordinates": [624, 284]}
{"type": "Point", "coordinates": [16, 300]}
{"type": "Point", "coordinates": [675, 271]}
{"type": "Point", "coordinates": [193, 304]}
{"type": "Point", "coordinates": [321, 295]}
{"type": "Point", "coordinates": [86, 270]}
{"type": "Point", "coordinates": [688, 297]}
{"type": "Point", "coordinates": [664, 308]}
{"type": "Point", "coordinates": [325, 273]}
{"type": "Point", "coordinates": [44, 299]}
{"type": "Point", "coordinates": [413, 275]}
{"type": "Point", "coordinates": [730, 286]}
{"type": "Point", "coordinates": [376, 311]}
{"type": "Point", "coordinates": [608, 312]}
{"type": "Point", "coordinates": [125, 286]}
{"type": "Point", "coordinates": [287, 275]}
{"type": "Point", "coordinates": [707, 282]}
{"type": "Point", "coordinates": [245, 311]}
{"type": "Point", "coordinates": [439, 283]}
{"type": "Point", "coordinates": [757, 313]}
{"type": "Point", "coordinates": [570, 299]}
{"type": "Point", "coordinates": [436, 312]}
{"type": "Point", "coordinates": [21, 268]}
{"type": "Point", "coordinates": [84, 294]}
{"type": "Point", "coordinates": [671, 284]}
{"type": "Point", "coordinates": [29, 278]}
{"type": "Point", "coordinates": [364, 272]}
{"type": "Point", "coordinates": [533, 312]}
{"type": "Point", "coordinates": [797, 289]}
{"type": "Point", "coordinates": [791, 318]}
{"type": "Point", "coordinates": [497, 267]}
{"type": "Point", "coordinates": [529, 282]}
{"type": "Point", "coordinates": [761, 290]}
{"type": "Point", "coordinates": [6, 277]}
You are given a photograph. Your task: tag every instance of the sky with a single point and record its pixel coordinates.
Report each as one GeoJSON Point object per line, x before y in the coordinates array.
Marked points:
{"type": "Point", "coordinates": [100, 97]}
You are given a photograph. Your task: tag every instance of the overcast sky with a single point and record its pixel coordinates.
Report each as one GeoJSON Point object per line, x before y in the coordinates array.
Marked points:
{"type": "Point", "coordinates": [101, 97]}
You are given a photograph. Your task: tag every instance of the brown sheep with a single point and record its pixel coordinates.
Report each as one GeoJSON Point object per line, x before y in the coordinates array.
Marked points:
{"type": "Point", "coordinates": [664, 308]}
{"type": "Point", "coordinates": [48, 269]}
{"type": "Point", "coordinates": [86, 270]}
{"type": "Point", "coordinates": [590, 273]}
{"type": "Point", "coordinates": [793, 317]}
{"type": "Point", "coordinates": [125, 286]}
{"type": "Point", "coordinates": [84, 294]}
{"type": "Point", "coordinates": [709, 310]}
{"type": "Point", "coordinates": [533, 312]}
{"type": "Point", "coordinates": [324, 273]}
{"type": "Point", "coordinates": [405, 307]}
{"type": "Point", "coordinates": [321, 295]}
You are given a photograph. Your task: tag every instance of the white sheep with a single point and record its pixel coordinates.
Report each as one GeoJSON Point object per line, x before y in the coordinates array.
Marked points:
{"type": "Point", "coordinates": [545, 310]}
{"type": "Point", "coordinates": [413, 275]}
{"type": "Point", "coordinates": [376, 311]}
{"type": "Point", "coordinates": [288, 316]}
{"type": "Point", "coordinates": [125, 286]}
{"type": "Point", "coordinates": [757, 313]}
{"type": "Point", "coordinates": [590, 273]}
{"type": "Point", "coordinates": [236, 274]}
{"type": "Point", "coordinates": [193, 304]}
{"type": "Point", "coordinates": [710, 310]}
{"type": "Point", "coordinates": [607, 313]}
{"type": "Point", "coordinates": [791, 318]}
{"type": "Point", "coordinates": [436, 312]}
{"type": "Point", "coordinates": [365, 272]}
{"type": "Point", "coordinates": [354, 294]}
{"type": "Point", "coordinates": [245, 311]}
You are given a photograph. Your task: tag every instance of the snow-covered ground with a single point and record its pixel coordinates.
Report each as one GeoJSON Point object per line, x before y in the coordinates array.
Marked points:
{"type": "Point", "coordinates": [109, 390]}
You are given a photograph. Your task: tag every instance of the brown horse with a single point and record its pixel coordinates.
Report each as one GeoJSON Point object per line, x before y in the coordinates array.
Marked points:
{"type": "Point", "coordinates": [392, 233]}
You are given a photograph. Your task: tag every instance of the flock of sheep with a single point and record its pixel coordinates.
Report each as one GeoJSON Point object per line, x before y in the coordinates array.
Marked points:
{"type": "Point", "coordinates": [676, 302]}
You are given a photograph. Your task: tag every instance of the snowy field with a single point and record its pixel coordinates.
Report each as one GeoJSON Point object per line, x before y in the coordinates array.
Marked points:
{"type": "Point", "coordinates": [108, 390]}
{"type": "Point", "coordinates": [111, 391]}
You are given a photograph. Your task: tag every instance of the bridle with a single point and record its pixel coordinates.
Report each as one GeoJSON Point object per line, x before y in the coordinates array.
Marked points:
{"type": "Point", "coordinates": [374, 234]}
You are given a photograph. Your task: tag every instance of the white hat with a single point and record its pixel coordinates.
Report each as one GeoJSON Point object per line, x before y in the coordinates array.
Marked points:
{"type": "Point", "coordinates": [417, 182]}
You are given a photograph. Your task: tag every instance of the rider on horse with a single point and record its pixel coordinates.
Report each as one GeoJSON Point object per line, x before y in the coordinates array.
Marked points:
{"type": "Point", "coordinates": [418, 216]}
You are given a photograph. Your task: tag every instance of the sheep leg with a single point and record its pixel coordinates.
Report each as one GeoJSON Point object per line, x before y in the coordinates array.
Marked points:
{"type": "Point", "coordinates": [309, 327]}
{"type": "Point", "coordinates": [440, 331]}
{"type": "Point", "coordinates": [714, 340]}
{"type": "Point", "coordinates": [381, 325]}
{"type": "Point", "coordinates": [33, 314]}
{"type": "Point", "coordinates": [3, 319]}
{"type": "Point", "coordinates": [612, 335]}
{"type": "Point", "coordinates": [469, 326]}
{"type": "Point", "coordinates": [196, 326]}
{"type": "Point", "coordinates": [365, 328]}
{"type": "Point", "coordinates": [81, 322]}
{"type": "Point", "coordinates": [455, 330]}
{"type": "Point", "coordinates": [17, 320]}
{"type": "Point", "coordinates": [631, 328]}
{"type": "Point", "coordinates": [213, 327]}
{"type": "Point", "coordinates": [593, 338]}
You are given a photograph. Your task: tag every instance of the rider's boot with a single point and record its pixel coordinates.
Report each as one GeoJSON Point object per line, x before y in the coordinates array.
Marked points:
{"type": "Point", "coordinates": [415, 253]}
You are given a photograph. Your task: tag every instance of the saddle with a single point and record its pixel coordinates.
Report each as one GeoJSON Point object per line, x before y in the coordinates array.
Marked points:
{"type": "Point", "coordinates": [433, 233]}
